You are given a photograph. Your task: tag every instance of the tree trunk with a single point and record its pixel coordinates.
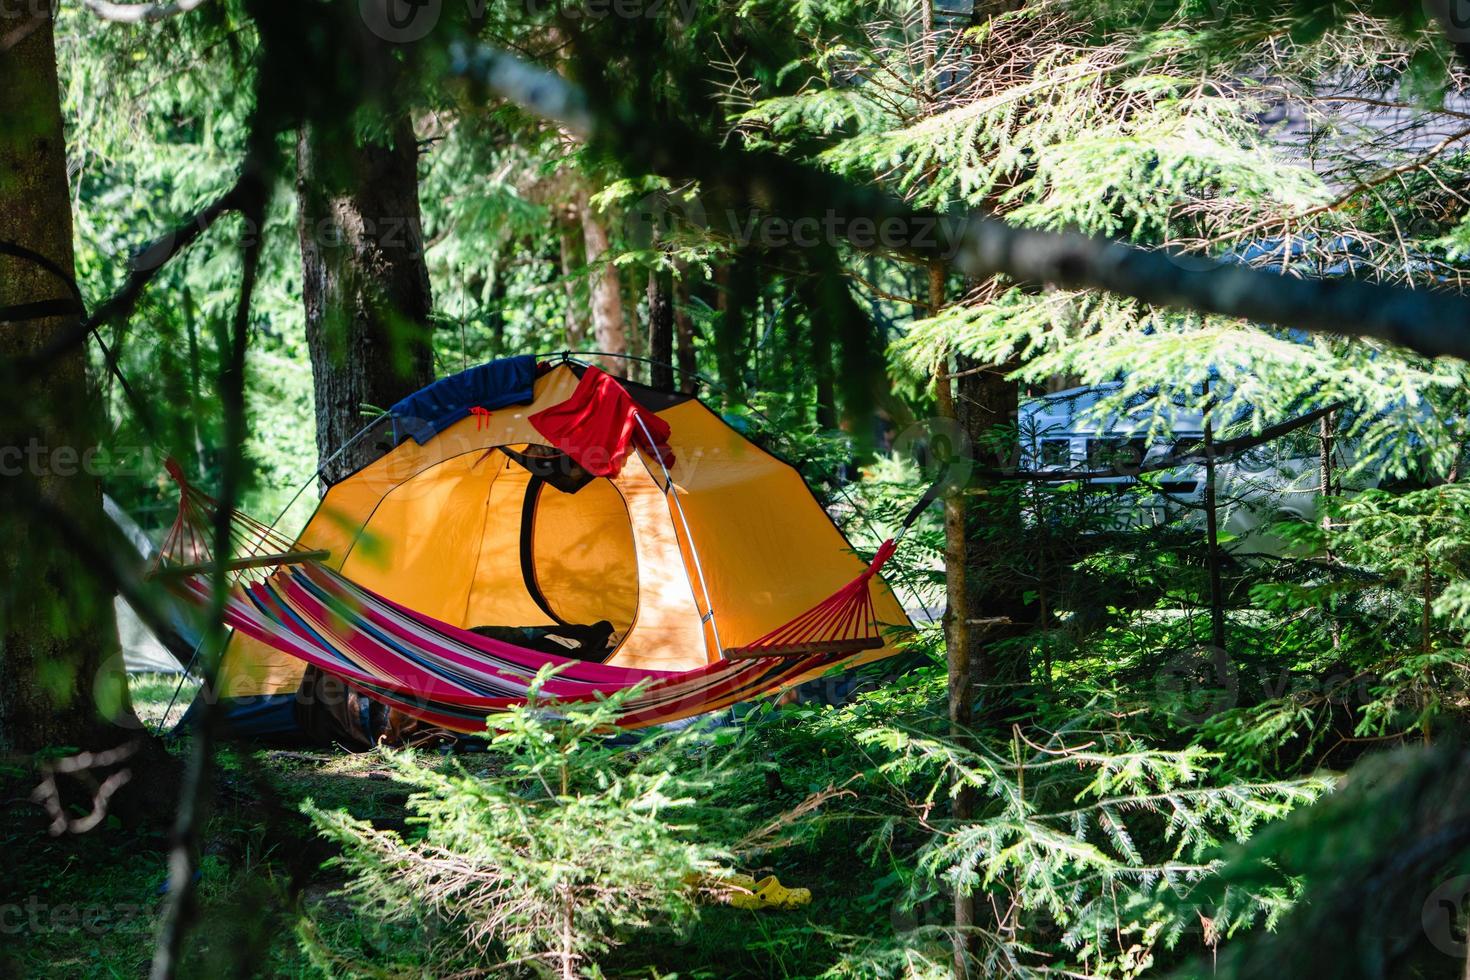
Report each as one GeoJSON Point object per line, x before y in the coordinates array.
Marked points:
{"type": "Point", "coordinates": [606, 290]}
{"type": "Point", "coordinates": [61, 679]}
{"type": "Point", "coordinates": [735, 294]}
{"type": "Point", "coordinates": [1325, 447]}
{"type": "Point", "coordinates": [637, 337]}
{"type": "Point", "coordinates": [364, 282]}
{"type": "Point", "coordinates": [987, 404]}
{"type": "Point", "coordinates": [684, 329]}
{"type": "Point", "coordinates": [571, 270]}
{"type": "Point", "coordinates": [1212, 554]}
{"type": "Point", "coordinates": [824, 357]}
{"type": "Point", "coordinates": [957, 634]}
{"type": "Point", "coordinates": [661, 330]}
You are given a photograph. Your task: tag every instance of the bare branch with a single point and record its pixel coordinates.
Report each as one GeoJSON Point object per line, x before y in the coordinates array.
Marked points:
{"type": "Point", "coordinates": [144, 267]}
{"type": "Point", "coordinates": [1218, 450]}
{"type": "Point", "coordinates": [535, 89]}
{"type": "Point", "coordinates": [1434, 323]}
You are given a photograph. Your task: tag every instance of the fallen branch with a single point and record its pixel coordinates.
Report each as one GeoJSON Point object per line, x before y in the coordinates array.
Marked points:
{"type": "Point", "coordinates": [138, 13]}
{"type": "Point", "coordinates": [765, 838]}
{"type": "Point", "coordinates": [48, 794]}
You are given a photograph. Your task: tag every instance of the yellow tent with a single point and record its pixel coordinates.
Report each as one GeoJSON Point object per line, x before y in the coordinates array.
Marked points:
{"type": "Point", "coordinates": [455, 520]}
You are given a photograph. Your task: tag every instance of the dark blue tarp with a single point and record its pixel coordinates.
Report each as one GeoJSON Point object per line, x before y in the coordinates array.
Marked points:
{"type": "Point", "coordinates": [431, 410]}
{"type": "Point", "coordinates": [264, 716]}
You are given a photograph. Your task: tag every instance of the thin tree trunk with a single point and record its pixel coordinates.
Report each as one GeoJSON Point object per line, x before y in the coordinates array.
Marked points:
{"type": "Point", "coordinates": [364, 282]}
{"type": "Point", "coordinates": [684, 332]}
{"type": "Point", "coordinates": [1426, 639]}
{"type": "Point", "coordinates": [571, 269]}
{"type": "Point", "coordinates": [1043, 570]}
{"type": "Point", "coordinates": [957, 636]}
{"type": "Point", "coordinates": [1212, 557]}
{"type": "Point", "coordinates": [495, 319]}
{"type": "Point", "coordinates": [633, 330]}
{"type": "Point", "coordinates": [196, 405]}
{"type": "Point", "coordinates": [59, 668]}
{"type": "Point", "coordinates": [606, 290]}
{"type": "Point", "coordinates": [733, 294]}
{"type": "Point", "coordinates": [1325, 443]}
{"type": "Point", "coordinates": [568, 953]}
{"type": "Point", "coordinates": [824, 360]}
{"type": "Point", "coordinates": [661, 330]}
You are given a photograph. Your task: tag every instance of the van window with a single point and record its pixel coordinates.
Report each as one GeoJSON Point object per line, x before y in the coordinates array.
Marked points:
{"type": "Point", "coordinates": [1119, 454]}
{"type": "Point", "coordinates": [1186, 446]}
{"type": "Point", "coordinates": [1055, 454]}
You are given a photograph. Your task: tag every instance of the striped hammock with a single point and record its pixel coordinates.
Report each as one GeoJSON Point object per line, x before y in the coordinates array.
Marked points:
{"type": "Point", "coordinates": [453, 678]}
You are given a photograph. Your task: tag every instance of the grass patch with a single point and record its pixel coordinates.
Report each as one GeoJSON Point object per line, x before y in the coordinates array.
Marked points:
{"type": "Point", "coordinates": [152, 693]}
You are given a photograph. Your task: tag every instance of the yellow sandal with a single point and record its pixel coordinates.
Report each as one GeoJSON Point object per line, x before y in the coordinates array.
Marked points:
{"type": "Point", "coordinates": [768, 893]}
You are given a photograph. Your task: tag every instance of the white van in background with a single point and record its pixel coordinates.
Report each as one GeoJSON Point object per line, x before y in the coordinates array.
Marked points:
{"type": "Point", "coordinates": [1264, 486]}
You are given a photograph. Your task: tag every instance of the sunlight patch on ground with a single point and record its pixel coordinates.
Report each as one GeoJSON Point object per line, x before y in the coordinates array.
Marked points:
{"type": "Point", "coordinates": [151, 694]}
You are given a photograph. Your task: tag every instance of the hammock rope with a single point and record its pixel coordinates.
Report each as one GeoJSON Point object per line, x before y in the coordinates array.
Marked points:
{"type": "Point", "coordinates": [256, 548]}
{"type": "Point", "coordinates": [843, 622]}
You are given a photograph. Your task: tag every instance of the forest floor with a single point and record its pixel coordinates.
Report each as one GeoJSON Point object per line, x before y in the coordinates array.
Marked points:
{"type": "Point", "coordinates": [88, 904]}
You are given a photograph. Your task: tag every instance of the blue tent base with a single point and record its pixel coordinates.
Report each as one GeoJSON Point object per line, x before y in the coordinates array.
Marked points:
{"type": "Point", "coordinates": [266, 717]}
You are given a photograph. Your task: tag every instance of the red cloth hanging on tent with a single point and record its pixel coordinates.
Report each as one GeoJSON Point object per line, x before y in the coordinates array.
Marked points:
{"type": "Point", "coordinates": [598, 425]}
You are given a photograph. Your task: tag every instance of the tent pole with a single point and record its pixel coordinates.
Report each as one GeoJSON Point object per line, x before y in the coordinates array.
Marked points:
{"type": "Point", "coordinates": [841, 489]}
{"type": "Point", "coordinates": [188, 669]}
{"type": "Point", "coordinates": [325, 463]}
{"type": "Point", "coordinates": [670, 492]}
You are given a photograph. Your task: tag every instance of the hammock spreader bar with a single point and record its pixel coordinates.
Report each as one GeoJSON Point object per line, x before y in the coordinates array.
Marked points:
{"type": "Point", "coordinates": [842, 622]}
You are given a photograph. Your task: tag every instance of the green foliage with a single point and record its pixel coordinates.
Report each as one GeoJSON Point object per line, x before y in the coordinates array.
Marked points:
{"type": "Point", "coordinates": [566, 842]}
{"type": "Point", "coordinates": [1382, 864]}
{"type": "Point", "coordinates": [1137, 813]}
{"type": "Point", "coordinates": [1397, 597]}
{"type": "Point", "coordinates": [1083, 835]}
{"type": "Point", "coordinates": [1053, 125]}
